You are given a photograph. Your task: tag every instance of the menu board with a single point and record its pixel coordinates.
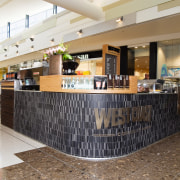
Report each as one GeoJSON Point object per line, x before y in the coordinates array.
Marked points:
{"type": "Point", "coordinates": [110, 64]}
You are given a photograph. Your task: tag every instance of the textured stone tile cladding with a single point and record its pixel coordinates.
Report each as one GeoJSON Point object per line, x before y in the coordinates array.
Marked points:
{"type": "Point", "coordinates": [66, 121]}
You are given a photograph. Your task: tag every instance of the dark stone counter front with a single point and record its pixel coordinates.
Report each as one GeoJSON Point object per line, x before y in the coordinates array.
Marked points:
{"type": "Point", "coordinates": [96, 125]}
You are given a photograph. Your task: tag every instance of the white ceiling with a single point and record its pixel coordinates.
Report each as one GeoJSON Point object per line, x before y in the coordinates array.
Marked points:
{"type": "Point", "coordinates": [14, 10]}
{"type": "Point", "coordinates": [138, 34]}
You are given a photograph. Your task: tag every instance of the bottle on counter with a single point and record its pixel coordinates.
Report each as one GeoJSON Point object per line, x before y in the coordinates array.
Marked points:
{"type": "Point", "coordinates": [116, 81]}
{"type": "Point", "coordinates": [73, 83]}
{"type": "Point", "coordinates": [127, 81]}
{"type": "Point", "coordinates": [121, 81]}
{"type": "Point", "coordinates": [81, 83]}
{"type": "Point", "coordinates": [7, 76]}
{"type": "Point", "coordinates": [91, 83]}
{"type": "Point", "coordinates": [124, 81]}
{"type": "Point", "coordinates": [86, 83]}
{"type": "Point", "coordinates": [76, 86]}
{"type": "Point", "coordinates": [63, 83]}
{"type": "Point", "coordinates": [69, 83]}
{"type": "Point", "coordinates": [109, 81]}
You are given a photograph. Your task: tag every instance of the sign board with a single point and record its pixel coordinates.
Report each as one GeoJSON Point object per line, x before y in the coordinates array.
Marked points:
{"type": "Point", "coordinates": [110, 64]}
{"type": "Point", "coordinates": [111, 60]}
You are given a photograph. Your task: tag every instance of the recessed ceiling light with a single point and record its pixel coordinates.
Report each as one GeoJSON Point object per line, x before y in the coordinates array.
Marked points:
{"type": "Point", "coordinates": [119, 20]}
{"type": "Point", "coordinates": [32, 48]}
{"type": "Point", "coordinates": [79, 32]}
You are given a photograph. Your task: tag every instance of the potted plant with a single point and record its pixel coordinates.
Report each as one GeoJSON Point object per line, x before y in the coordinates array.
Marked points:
{"type": "Point", "coordinates": [60, 61]}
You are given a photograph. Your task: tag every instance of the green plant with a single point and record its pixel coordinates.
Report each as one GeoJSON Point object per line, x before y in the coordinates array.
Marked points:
{"type": "Point", "coordinates": [61, 49]}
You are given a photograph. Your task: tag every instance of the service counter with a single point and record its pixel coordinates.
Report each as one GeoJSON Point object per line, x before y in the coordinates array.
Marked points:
{"type": "Point", "coordinates": [95, 125]}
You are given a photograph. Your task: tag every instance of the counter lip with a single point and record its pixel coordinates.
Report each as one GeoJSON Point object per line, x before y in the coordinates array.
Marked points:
{"type": "Point", "coordinates": [95, 93]}
{"type": "Point", "coordinates": [27, 90]}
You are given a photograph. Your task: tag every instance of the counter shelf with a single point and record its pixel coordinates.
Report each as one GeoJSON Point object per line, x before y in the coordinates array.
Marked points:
{"type": "Point", "coordinates": [52, 83]}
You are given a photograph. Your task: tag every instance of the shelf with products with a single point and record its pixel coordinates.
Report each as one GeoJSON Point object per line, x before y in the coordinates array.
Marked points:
{"type": "Point", "coordinates": [54, 83]}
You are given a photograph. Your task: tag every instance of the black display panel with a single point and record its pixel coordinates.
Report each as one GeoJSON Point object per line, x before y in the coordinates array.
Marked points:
{"type": "Point", "coordinates": [110, 64]}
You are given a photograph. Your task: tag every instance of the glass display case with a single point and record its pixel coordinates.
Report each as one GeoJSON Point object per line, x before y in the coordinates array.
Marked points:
{"type": "Point", "coordinates": [155, 88]}
{"type": "Point", "coordinates": [171, 84]}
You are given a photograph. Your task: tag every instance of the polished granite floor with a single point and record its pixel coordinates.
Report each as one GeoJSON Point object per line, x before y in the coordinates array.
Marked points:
{"type": "Point", "coordinates": [160, 161]}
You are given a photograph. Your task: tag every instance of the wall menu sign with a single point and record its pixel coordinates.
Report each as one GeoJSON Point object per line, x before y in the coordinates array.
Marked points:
{"type": "Point", "coordinates": [111, 60]}
{"type": "Point", "coordinates": [110, 64]}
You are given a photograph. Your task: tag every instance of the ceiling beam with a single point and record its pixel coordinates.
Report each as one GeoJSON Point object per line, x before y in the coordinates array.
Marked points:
{"type": "Point", "coordinates": [83, 7]}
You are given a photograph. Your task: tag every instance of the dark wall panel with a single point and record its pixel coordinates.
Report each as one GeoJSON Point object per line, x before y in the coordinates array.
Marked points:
{"type": "Point", "coordinates": [7, 107]}
{"type": "Point", "coordinates": [153, 61]}
{"type": "Point", "coordinates": [124, 60]}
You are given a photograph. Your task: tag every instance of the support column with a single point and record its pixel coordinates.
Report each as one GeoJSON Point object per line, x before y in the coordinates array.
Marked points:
{"type": "Point", "coordinates": [124, 60]}
{"type": "Point", "coordinates": [153, 60]}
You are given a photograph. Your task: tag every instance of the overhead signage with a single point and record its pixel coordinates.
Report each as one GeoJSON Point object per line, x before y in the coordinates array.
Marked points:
{"type": "Point", "coordinates": [88, 55]}
{"type": "Point", "coordinates": [82, 56]}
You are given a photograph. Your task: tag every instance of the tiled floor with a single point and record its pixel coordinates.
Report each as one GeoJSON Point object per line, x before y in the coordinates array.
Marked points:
{"type": "Point", "coordinates": [160, 161]}
{"type": "Point", "coordinates": [12, 142]}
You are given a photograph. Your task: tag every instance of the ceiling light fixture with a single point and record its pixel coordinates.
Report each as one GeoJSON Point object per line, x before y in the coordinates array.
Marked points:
{"type": "Point", "coordinates": [80, 32]}
{"type": "Point", "coordinates": [17, 45]}
{"type": "Point", "coordinates": [32, 48]}
{"type": "Point", "coordinates": [119, 20]}
{"type": "Point", "coordinates": [31, 38]}
{"type": "Point", "coordinates": [5, 49]}
{"type": "Point", "coordinates": [52, 40]}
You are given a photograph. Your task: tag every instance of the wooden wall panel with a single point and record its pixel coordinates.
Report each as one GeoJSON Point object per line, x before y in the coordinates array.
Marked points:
{"type": "Point", "coordinates": [7, 107]}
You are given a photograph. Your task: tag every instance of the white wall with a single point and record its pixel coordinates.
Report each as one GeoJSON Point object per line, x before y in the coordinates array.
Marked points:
{"type": "Point", "coordinates": [141, 52]}
{"type": "Point", "coordinates": [173, 55]}
{"type": "Point", "coordinates": [169, 55]}
{"type": "Point", "coordinates": [161, 59]}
